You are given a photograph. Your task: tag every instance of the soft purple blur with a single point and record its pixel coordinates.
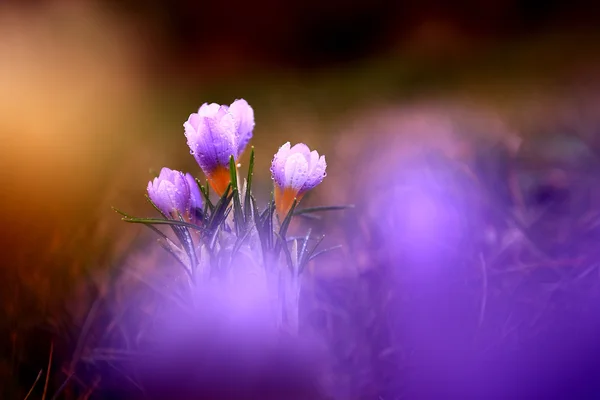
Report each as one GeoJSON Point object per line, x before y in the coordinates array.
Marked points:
{"type": "Point", "coordinates": [226, 346]}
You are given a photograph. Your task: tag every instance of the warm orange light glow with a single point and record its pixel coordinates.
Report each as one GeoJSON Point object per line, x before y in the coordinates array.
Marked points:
{"type": "Point", "coordinates": [219, 180]}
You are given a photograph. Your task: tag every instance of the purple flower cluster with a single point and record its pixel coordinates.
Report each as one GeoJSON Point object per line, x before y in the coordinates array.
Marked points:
{"type": "Point", "coordinates": [215, 134]}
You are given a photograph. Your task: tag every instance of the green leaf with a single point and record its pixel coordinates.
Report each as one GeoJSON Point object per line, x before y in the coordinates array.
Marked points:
{"type": "Point", "coordinates": [310, 216]}
{"type": "Point", "coordinates": [271, 211]}
{"type": "Point", "coordinates": [123, 213]}
{"type": "Point", "coordinates": [284, 226]}
{"type": "Point", "coordinates": [188, 245]}
{"type": "Point", "coordinates": [218, 215]}
{"type": "Point", "coordinates": [205, 193]}
{"type": "Point", "coordinates": [294, 256]}
{"type": "Point", "coordinates": [303, 250]}
{"type": "Point", "coordinates": [238, 215]}
{"type": "Point", "coordinates": [247, 207]}
{"type": "Point", "coordinates": [257, 216]}
{"type": "Point", "coordinates": [260, 228]}
{"type": "Point", "coordinates": [286, 221]}
{"type": "Point", "coordinates": [158, 221]}
{"type": "Point", "coordinates": [309, 256]}
{"type": "Point", "coordinates": [290, 238]}
{"type": "Point", "coordinates": [322, 208]}
{"type": "Point", "coordinates": [286, 251]}
{"type": "Point", "coordinates": [175, 225]}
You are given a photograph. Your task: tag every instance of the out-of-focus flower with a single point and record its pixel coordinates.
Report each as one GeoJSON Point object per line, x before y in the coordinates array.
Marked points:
{"type": "Point", "coordinates": [172, 194]}
{"type": "Point", "coordinates": [295, 171]}
{"type": "Point", "coordinates": [217, 132]}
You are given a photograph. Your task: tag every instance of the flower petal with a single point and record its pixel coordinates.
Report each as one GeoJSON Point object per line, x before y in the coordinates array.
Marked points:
{"type": "Point", "coordinates": [316, 175]}
{"type": "Point", "coordinates": [208, 110]}
{"type": "Point", "coordinates": [200, 142]}
{"type": "Point", "coordinates": [244, 120]}
{"type": "Point", "coordinates": [195, 195]}
{"type": "Point", "coordinates": [223, 131]}
{"type": "Point", "coordinates": [213, 141]}
{"type": "Point", "coordinates": [194, 120]}
{"type": "Point", "coordinates": [296, 171]}
{"type": "Point", "coordinates": [278, 164]}
{"type": "Point", "coordinates": [303, 149]}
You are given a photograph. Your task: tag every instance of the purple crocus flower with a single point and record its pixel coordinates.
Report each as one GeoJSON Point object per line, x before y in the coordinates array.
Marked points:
{"type": "Point", "coordinates": [295, 171]}
{"type": "Point", "coordinates": [170, 191]}
{"type": "Point", "coordinates": [217, 132]}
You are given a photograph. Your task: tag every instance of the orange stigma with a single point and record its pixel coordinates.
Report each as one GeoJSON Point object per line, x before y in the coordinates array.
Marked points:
{"type": "Point", "coordinates": [284, 200]}
{"type": "Point", "coordinates": [219, 179]}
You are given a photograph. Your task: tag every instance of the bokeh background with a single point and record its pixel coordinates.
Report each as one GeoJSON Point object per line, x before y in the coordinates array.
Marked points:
{"type": "Point", "coordinates": [93, 95]}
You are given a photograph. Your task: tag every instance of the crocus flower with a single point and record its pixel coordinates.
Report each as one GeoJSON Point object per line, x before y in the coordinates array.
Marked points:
{"type": "Point", "coordinates": [173, 195]}
{"type": "Point", "coordinates": [214, 134]}
{"type": "Point", "coordinates": [295, 171]}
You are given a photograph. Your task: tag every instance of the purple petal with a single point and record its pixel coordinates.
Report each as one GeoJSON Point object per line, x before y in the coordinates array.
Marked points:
{"type": "Point", "coordinates": [208, 110]}
{"type": "Point", "coordinates": [303, 149]}
{"type": "Point", "coordinates": [296, 171]}
{"type": "Point", "coordinates": [244, 120]}
{"type": "Point", "coordinates": [317, 172]}
{"type": "Point", "coordinates": [223, 131]}
{"type": "Point", "coordinates": [213, 141]}
{"type": "Point", "coordinates": [152, 193]}
{"type": "Point", "coordinates": [195, 195]}
{"type": "Point", "coordinates": [194, 121]}
{"type": "Point", "coordinates": [278, 165]}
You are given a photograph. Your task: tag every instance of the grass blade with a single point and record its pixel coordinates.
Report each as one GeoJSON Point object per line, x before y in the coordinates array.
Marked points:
{"type": "Point", "coordinates": [157, 221]}
{"type": "Point", "coordinates": [339, 246]}
{"type": "Point", "coordinates": [322, 208]}
{"type": "Point", "coordinates": [247, 207]}
{"type": "Point", "coordinates": [220, 207]}
{"type": "Point", "coordinates": [310, 255]}
{"type": "Point", "coordinates": [284, 226]}
{"type": "Point", "coordinates": [238, 215]}
{"type": "Point", "coordinates": [303, 250]}
{"type": "Point", "coordinates": [271, 211]}
{"type": "Point", "coordinates": [188, 244]}
{"type": "Point", "coordinates": [288, 218]}
{"type": "Point", "coordinates": [205, 193]}
{"type": "Point", "coordinates": [34, 383]}
{"type": "Point", "coordinates": [286, 251]}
